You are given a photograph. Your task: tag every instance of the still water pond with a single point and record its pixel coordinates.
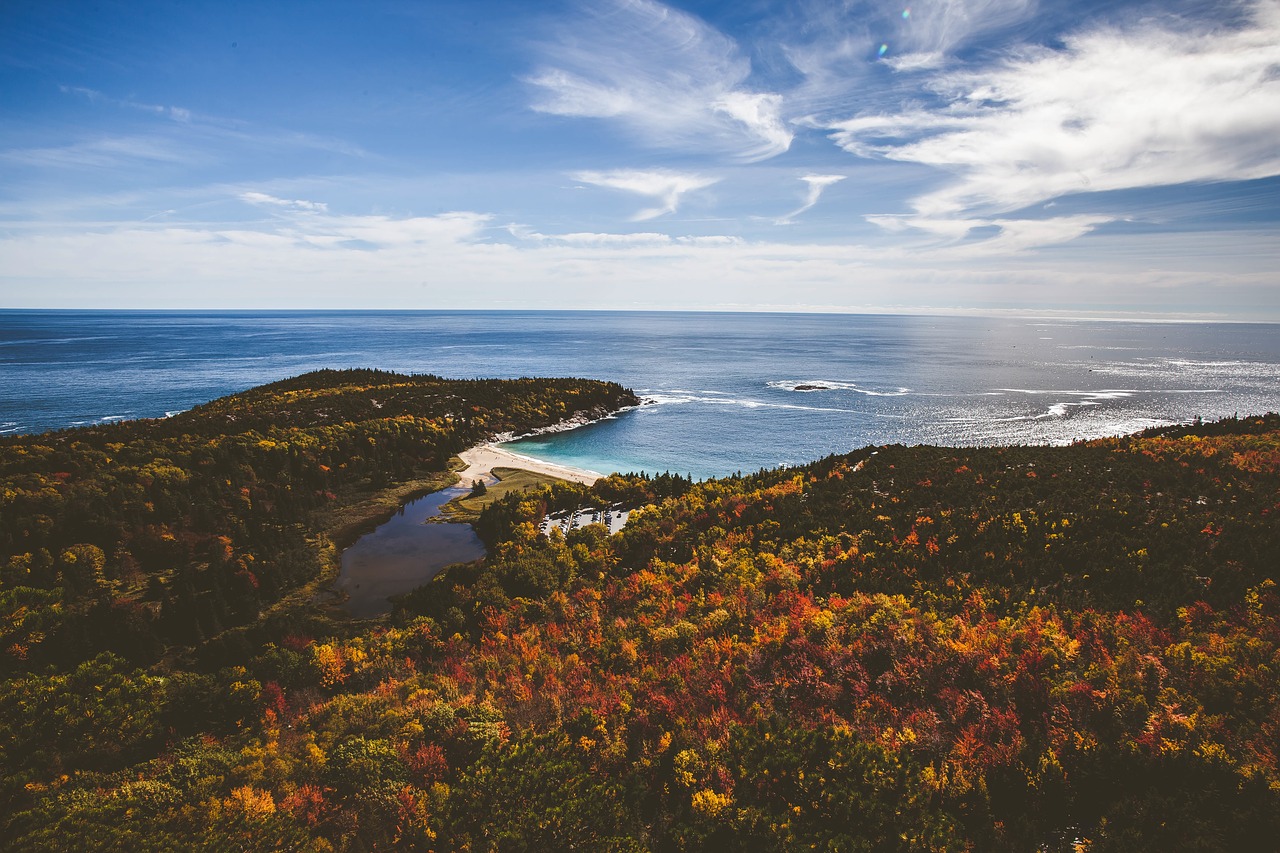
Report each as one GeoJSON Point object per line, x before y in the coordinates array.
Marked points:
{"type": "Point", "coordinates": [404, 553]}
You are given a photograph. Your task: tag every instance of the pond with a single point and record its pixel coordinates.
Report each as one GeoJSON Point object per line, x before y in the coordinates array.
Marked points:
{"type": "Point", "coordinates": [403, 554]}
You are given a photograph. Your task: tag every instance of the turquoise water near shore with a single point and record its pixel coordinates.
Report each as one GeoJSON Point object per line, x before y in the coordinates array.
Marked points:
{"type": "Point", "coordinates": [728, 392]}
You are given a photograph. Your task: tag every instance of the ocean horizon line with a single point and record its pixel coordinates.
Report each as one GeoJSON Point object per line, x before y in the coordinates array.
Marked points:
{"type": "Point", "coordinates": [1030, 314]}
{"type": "Point", "coordinates": [732, 391]}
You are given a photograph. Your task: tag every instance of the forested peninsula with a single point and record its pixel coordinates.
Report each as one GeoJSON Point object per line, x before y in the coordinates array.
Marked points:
{"type": "Point", "coordinates": [900, 648]}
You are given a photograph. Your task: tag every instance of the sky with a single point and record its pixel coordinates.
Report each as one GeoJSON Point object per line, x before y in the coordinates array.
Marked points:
{"type": "Point", "coordinates": [1070, 157]}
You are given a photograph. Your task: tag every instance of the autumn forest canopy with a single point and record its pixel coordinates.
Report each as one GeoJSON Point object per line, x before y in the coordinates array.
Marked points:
{"type": "Point", "coordinates": [899, 648]}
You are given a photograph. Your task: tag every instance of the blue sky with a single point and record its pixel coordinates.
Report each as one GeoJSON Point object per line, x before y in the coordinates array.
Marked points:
{"type": "Point", "coordinates": [951, 155]}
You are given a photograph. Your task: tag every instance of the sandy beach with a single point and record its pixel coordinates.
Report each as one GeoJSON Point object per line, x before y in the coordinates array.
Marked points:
{"type": "Point", "coordinates": [483, 458]}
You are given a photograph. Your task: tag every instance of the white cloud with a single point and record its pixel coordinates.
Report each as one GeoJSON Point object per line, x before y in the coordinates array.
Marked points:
{"type": "Point", "coordinates": [1009, 235]}
{"type": "Point", "coordinates": [761, 114]}
{"type": "Point", "coordinates": [1156, 104]}
{"type": "Point", "coordinates": [936, 28]}
{"type": "Point", "coordinates": [669, 77]}
{"type": "Point", "coordinates": [666, 186]}
{"type": "Point", "coordinates": [389, 231]}
{"type": "Point", "coordinates": [108, 152]}
{"type": "Point", "coordinates": [298, 204]}
{"type": "Point", "coordinates": [817, 183]}
{"type": "Point", "coordinates": [835, 46]}
{"type": "Point", "coordinates": [591, 238]}
{"type": "Point", "coordinates": [1017, 235]}
{"type": "Point", "coordinates": [951, 229]}
{"type": "Point", "coordinates": [323, 260]}
{"type": "Point", "coordinates": [186, 130]}
{"type": "Point", "coordinates": [178, 114]}
{"type": "Point", "coordinates": [711, 240]}
{"type": "Point", "coordinates": [309, 224]}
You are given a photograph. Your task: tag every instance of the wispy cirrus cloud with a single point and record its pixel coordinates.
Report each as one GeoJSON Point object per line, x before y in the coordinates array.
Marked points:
{"type": "Point", "coordinates": [669, 77]}
{"type": "Point", "coordinates": [666, 186]}
{"type": "Point", "coordinates": [590, 238]}
{"type": "Point", "coordinates": [599, 240]}
{"type": "Point", "coordinates": [188, 133]}
{"type": "Point", "coordinates": [1158, 103]}
{"type": "Point", "coordinates": [181, 114]}
{"type": "Point", "coordinates": [106, 152]}
{"type": "Point", "coordinates": [836, 47]}
{"type": "Point", "coordinates": [1009, 236]}
{"type": "Point", "coordinates": [295, 204]}
{"type": "Point", "coordinates": [380, 232]}
{"type": "Point", "coordinates": [816, 183]}
{"type": "Point", "coordinates": [928, 31]}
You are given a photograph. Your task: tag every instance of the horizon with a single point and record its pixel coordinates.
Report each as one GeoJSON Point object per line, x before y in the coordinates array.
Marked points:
{"type": "Point", "coordinates": [1030, 314]}
{"type": "Point", "coordinates": [1110, 159]}
{"type": "Point", "coordinates": [970, 378]}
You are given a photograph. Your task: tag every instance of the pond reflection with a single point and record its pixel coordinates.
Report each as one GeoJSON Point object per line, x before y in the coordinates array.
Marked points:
{"type": "Point", "coordinates": [404, 553]}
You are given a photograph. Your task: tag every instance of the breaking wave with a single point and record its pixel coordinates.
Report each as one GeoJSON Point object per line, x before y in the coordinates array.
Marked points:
{"type": "Point", "coordinates": [810, 385]}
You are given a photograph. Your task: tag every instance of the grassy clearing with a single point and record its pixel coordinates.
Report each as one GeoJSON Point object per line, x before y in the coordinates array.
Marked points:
{"type": "Point", "coordinates": [469, 507]}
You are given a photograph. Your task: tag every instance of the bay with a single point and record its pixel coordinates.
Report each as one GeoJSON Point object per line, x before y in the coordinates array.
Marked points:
{"type": "Point", "coordinates": [726, 392]}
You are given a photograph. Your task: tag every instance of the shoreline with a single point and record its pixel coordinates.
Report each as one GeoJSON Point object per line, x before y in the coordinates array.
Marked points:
{"type": "Point", "coordinates": [483, 458]}
{"type": "Point", "coordinates": [574, 421]}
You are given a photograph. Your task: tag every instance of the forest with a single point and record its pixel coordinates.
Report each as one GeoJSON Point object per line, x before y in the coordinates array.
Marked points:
{"type": "Point", "coordinates": [148, 537]}
{"type": "Point", "coordinates": [900, 648]}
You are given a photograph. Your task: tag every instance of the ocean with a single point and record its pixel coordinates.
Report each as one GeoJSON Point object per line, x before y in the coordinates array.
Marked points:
{"type": "Point", "coordinates": [724, 392]}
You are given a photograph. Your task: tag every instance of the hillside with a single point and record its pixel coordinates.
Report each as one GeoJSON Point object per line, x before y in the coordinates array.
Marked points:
{"type": "Point", "coordinates": [918, 648]}
{"type": "Point", "coordinates": [146, 536]}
